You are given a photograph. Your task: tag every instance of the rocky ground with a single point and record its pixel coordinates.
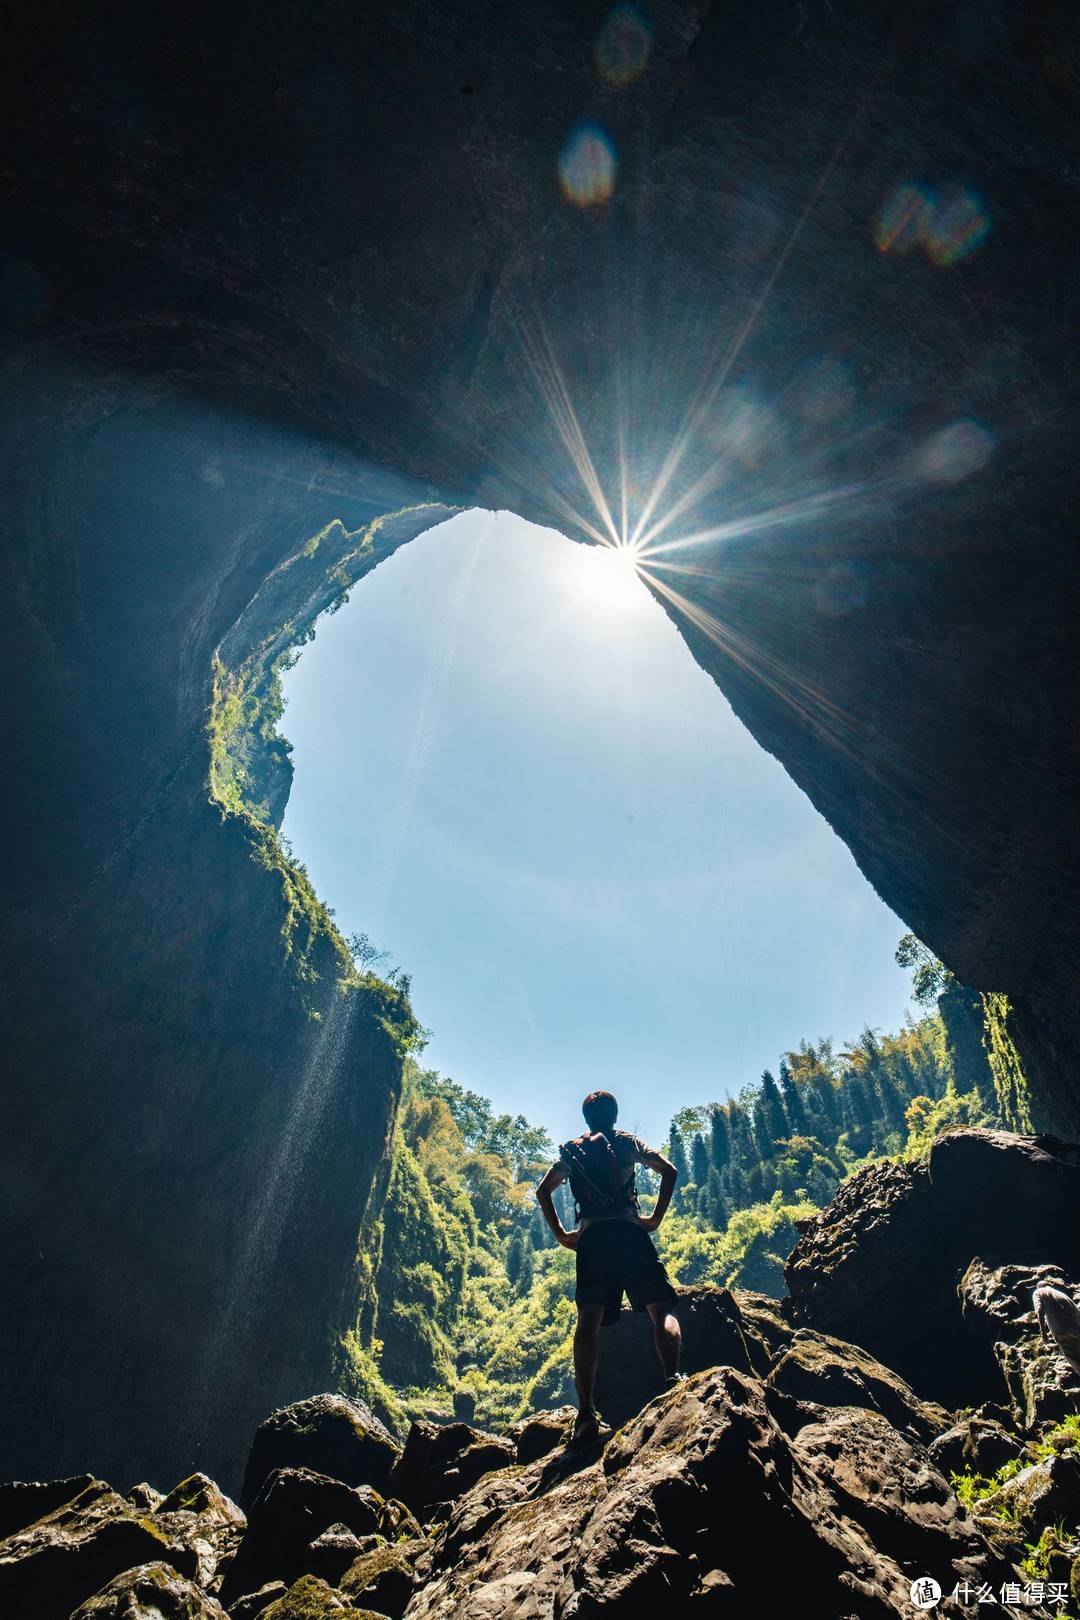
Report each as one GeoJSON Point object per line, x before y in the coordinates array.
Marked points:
{"type": "Point", "coordinates": [792, 1471]}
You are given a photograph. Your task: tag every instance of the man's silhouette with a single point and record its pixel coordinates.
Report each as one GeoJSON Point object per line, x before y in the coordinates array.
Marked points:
{"type": "Point", "coordinates": [612, 1243]}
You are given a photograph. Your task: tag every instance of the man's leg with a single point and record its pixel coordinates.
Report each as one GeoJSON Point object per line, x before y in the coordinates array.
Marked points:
{"type": "Point", "coordinates": [668, 1335]}
{"type": "Point", "coordinates": [587, 1352]}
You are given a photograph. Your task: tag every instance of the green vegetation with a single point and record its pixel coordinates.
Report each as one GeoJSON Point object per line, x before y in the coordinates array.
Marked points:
{"type": "Point", "coordinates": [466, 1295]}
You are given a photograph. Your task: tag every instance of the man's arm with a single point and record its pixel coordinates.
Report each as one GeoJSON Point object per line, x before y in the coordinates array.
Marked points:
{"type": "Point", "coordinates": [668, 1177]}
{"type": "Point", "coordinates": [555, 1178]}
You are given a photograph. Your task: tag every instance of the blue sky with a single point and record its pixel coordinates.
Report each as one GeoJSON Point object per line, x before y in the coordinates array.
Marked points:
{"type": "Point", "coordinates": [512, 776]}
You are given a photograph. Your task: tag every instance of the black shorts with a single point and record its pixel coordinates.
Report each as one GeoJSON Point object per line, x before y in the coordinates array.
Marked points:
{"type": "Point", "coordinates": [616, 1254]}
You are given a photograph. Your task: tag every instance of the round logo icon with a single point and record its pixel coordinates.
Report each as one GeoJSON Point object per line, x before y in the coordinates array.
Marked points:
{"type": "Point", "coordinates": [925, 1592]}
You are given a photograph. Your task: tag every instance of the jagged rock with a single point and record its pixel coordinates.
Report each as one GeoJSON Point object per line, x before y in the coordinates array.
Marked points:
{"type": "Point", "coordinates": [535, 1436]}
{"type": "Point", "coordinates": [49, 1567]}
{"type": "Point", "coordinates": [688, 1503]}
{"type": "Point", "coordinates": [253, 1603]}
{"type": "Point", "coordinates": [144, 1497]}
{"type": "Point", "coordinates": [23, 1502]}
{"type": "Point", "coordinates": [330, 1434]}
{"type": "Point", "coordinates": [974, 1443]}
{"type": "Point", "coordinates": [1041, 1495]}
{"type": "Point", "coordinates": [714, 1333]}
{"type": "Point", "coordinates": [201, 1516]}
{"type": "Point", "coordinates": [880, 1265]}
{"type": "Point", "coordinates": [151, 1592]}
{"type": "Point", "coordinates": [995, 1296]}
{"type": "Point", "coordinates": [335, 1550]}
{"type": "Point", "coordinates": [766, 1322]}
{"type": "Point", "coordinates": [312, 1599]}
{"type": "Point", "coordinates": [824, 1371]}
{"type": "Point", "coordinates": [442, 1461]}
{"type": "Point", "coordinates": [291, 1510]}
{"type": "Point", "coordinates": [385, 1576]}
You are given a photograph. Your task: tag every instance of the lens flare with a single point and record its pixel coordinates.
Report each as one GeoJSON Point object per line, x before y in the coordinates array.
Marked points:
{"type": "Point", "coordinates": [948, 223]}
{"type": "Point", "coordinates": [587, 166]}
{"type": "Point", "coordinates": [956, 452]}
{"type": "Point", "coordinates": [622, 48]}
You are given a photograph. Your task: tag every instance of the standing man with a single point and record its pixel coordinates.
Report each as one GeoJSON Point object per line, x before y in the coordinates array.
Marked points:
{"type": "Point", "coordinates": [612, 1243]}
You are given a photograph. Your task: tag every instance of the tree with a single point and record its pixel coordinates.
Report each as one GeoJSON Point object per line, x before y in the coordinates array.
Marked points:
{"type": "Point", "coordinates": [793, 1105]}
{"type": "Point", "coordinates": [519, 1261]}
{"type": "Point", "coordinates": [700, 1161]}
{"type": "Point", "coordinates": [929, 976]}
{"type": "Point", "coordinates": [770, 1120]}
{"type": "Point", "coordinates": [719, 1138]}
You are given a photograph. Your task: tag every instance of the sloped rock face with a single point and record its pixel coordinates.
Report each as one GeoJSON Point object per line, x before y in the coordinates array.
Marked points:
{"type": "Point", "coordinates": [688, 1500]}
{"type": "Point", "coordinates": [292, 1509]}
{"type": "Point", "coordinates": [54, 1564]}
{"type": "Point", "coordinates": [1038, 1382]}
{"type": "Point", "coordinates": [441, 1461]}
{"type": "Point", "coordinates": [150, 1592]}
{"type": "Point", "coordinates": [329, 1434]}
{"type": "Point", "coordinates": [882, 1264]}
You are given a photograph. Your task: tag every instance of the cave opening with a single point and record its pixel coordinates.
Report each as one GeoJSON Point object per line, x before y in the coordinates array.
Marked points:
{"type": "Point", "coordinates": [513, 782]}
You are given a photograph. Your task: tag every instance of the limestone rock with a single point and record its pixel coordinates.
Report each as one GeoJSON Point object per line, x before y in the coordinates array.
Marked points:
{"type": "Point", "coordinates": [150, 1592]}
{"type": "Point", "coordinates": [384, 1577]}
{"type": "Point", "coordinates": [291, 1510]}
{"type": "Point", "coordinates": [995, 1297]}
{"type": "Point", "coordinates": [253, 1603]}
{"type": "Point", "coordinates": [829, 1372]}
{"type": "Point", "coordinates": [329, 1434]}
{"type": "Point", "coordinates": [51, 1566]}
{"type": "Point", "coordinates": [976, 1444]}
{"type": "Point", "coordinates": [1041, 1495]}
{"type": "Point", "coordinates": [202, 1517]}
{"type": "Point", "coordinates": [23, 1502]}
{"type": "Point", "coordinates": [335, 1550]}
{"type": "Point", "coordinates": [144, 1498]}
{"type": "Point", "coordinates": [442, 1461]}
{"type": "Point", "coordinates": [880, 1265]}
{"type": "Point", "coordinates": [687, 1504]}
{"type": "Point", "coordinates": [714, 1333]}
{"type": "Point", "coordinates": [312, 1599]}
{"type": "Point", "coordinates": [536, 1436]}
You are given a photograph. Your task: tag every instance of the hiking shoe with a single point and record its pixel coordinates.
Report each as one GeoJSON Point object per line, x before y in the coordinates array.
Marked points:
{"type": "Point", "coordinates": [586, 1427]}
{"type": "Point", "coordinates": [674, 1380]}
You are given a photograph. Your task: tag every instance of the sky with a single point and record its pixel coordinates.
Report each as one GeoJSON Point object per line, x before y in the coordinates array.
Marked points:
{"type": "Point", "coordinates": [511, 775]}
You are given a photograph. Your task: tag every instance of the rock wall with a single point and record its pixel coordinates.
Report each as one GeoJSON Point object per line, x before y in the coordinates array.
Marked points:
{"type": "Point", "coordinates": [263, 271]}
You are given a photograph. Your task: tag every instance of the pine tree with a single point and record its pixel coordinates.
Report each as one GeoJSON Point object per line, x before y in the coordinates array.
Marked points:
{"type": "Point", "coordinates": [518, 1258]}
{"type": "Point", "coordinates": [715, 1209]}
{"type": "Point", "coordinates": [793, 1106]}
{"type": "Point", "coordinates": [677, 1155]}
{"type": "Point", "coordinates": [770, 1119]}
{"type": "Point", "coordinates": [719, 1139]}
{"type": "Point", "coordinates": [700, 1160]}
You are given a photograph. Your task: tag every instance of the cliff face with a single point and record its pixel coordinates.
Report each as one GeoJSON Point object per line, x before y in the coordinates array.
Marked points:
{"type": "Point", "coordinates": [263, 272]}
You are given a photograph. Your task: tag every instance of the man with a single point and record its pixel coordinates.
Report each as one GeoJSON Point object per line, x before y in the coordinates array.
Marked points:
{"type": "Point", "coordinates": [612, 1243]}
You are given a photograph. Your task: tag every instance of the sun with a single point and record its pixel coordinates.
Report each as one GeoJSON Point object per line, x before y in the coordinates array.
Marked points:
{"type": "Point", "coordinates": [607, 579]}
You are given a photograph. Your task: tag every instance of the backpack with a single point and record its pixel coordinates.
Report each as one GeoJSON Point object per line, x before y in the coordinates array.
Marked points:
{"type": "Point", "coordinates": [596, 1179]}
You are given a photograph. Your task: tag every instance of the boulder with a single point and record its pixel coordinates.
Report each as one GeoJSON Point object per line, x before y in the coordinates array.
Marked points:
{"type": "Point", "coordinates": [536, 1436]}
{"type": "Point", "coordinates": [704, 1505]}
{"type": "Point", "coordinates": [442, 1461]}
{"type": "Point", "coordinates": [328, 1434]}
{"type": "Point", "coordinates": [335, 1550]}
{"type": "Point", "coordinates": [253, 1603]}
{"type": "Point", "coordinates": [312, 1599]}
{"type": "Point", "coordinates": [714, 1333]}
{"type": "Point", "coordinates": [198, 1514]}
{"type": "Point", "coordinates": [23, 1502]}
{"type": "Point", "coordinates": [827, 1372]}
{"type": "Point", "coordinates": [880, 1265]}
{"type": "Point", "coordinates": [51, 1566]}
{"type": "Point", "coordinates": [144, 1497]}
{"type": "Point", "coordinates": [292, 1509]}
{"type": "Point", "coordinates": [995, 1299]}
{"type": "Point", "coordinates": [1040, 1496]}
{"type": "Point", "coordinates": [384, 1578]}
{"type": "Point", "coordinates": [976, 1444]}
{"type": "Point", "coordinates": [150, 1592]}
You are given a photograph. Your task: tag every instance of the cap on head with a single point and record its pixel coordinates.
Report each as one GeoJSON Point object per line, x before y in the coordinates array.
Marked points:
{"type": "Point", "coordinates": [600, 1110]}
